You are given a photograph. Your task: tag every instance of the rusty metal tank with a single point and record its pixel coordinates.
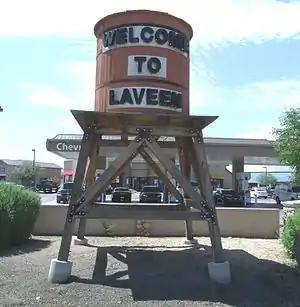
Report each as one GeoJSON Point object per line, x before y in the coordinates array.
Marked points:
{"type": "Point", "coordinates": [142, 63]}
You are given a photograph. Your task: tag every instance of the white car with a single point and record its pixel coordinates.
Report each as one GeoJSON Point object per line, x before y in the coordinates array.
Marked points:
{"type": "Point", "coordinates": [259, 193]}
{"type": "Point", "coordinates": [286, 193]}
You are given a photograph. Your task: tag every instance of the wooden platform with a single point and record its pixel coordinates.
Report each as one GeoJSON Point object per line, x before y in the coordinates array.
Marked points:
{"type": "Point", "coordinates": [127, 123]}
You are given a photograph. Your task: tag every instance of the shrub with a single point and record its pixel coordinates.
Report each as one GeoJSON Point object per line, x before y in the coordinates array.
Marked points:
{"type": "Point", "coordinates": [291, 227]}
{"type": "Point", "coordinates": [19, 209]}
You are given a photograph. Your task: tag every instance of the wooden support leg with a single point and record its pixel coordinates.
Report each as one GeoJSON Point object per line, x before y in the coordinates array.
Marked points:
{"type": "Point", "coordinates": [218, 269]}
{"type": "Point", "coordinates": [203, 176]}
{"type": "Point", "coordinates": [185, 168]}
{"type": "Point", "coordinates": [60, 268]}
{"type": "Point", "coordinates": [90, 178]}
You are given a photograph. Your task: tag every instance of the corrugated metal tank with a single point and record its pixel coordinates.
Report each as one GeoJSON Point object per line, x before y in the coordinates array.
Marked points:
{"type": "Point", "coordinates": [142, 63]}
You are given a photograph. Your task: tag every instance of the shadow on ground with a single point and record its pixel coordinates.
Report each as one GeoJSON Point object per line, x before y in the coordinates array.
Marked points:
{"type": "Point", "coordinates": [182, 275]}
{"type": "Point", "coordinates": [29, 246]}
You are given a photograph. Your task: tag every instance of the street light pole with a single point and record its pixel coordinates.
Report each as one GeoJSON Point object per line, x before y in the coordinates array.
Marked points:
{"type": "Point", "coordinates": [33, 165]}
{"type": "Point", "coordinates": [266, 173]}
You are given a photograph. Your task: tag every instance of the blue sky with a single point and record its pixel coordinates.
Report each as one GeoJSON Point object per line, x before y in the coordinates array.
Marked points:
{"type": "Point", "coordinates": [245, 66]}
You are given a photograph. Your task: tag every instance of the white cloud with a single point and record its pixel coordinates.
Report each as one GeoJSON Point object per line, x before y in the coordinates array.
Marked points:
{"type": "Point", "coordinates": [69, 125]}
{"type": "Point", "coordinates": [263, 96]}
{"type": "Point", "coordinates": [283, 93]}
{"type": "Point", "coordinates": [41, 94]}
{"type": "Point", "coordinates": [213, 21]}
{"type": "Point", "coordinates": [82, 96]}
{"type": "Point", "coordinates": [260, 133]}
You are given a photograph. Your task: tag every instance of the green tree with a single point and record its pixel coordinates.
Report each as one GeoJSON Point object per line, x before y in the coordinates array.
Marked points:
{"type": "Point", "coordinates": [287, 141]}
{"type": "Point", "coordinates": [24, 174]}
{"type": "Point", "coordinates": [267, 179]}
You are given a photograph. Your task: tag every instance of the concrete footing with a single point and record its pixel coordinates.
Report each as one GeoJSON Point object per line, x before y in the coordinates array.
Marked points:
{"type": "Point", "coordinates": [220, 272]}
{"type": "Point", "coordinates": [77, 241]}
{"type": "Point", "coordinates": [59, 271]}
{"type": "Point", "coordinates": [190, 242]}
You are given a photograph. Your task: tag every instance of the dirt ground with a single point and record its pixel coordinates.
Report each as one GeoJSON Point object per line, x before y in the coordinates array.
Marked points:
{"type": "Point", "coordinates": [149, 272]}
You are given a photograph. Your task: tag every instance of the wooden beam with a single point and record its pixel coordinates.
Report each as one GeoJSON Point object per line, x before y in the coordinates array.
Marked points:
{"type": "Point", "coordinates": [132, 120]}
{"type": "Point", "coordinates": [89, 180]}
{"type": "Point", "coordinates": [155, 131]}
{"type": "Point", "coordinates": [195, 166]}
{"type": "Point", "coordinates": [185, 168]}
{"type": "Point", "coordinates": [113, 170]}
{"type": "Point", "coordinates": [87, 143]}
{"type": "Point", "coordinates": [128, 212]}
{"type": "Point", "coordinates": [175, 173]}
{"type": "Point", "coordinates": [201, 166]}
{"type": "Point", "coordinates": [160, 173]}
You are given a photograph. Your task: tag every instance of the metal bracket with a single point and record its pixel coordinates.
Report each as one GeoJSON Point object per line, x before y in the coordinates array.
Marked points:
{"type": "Point", "coordinates": [198, 134]}
{"type": "Point", "coordinates": [88, 132]}
{"type": "Point", "coordinates": [144, 134]}
{"type": "Point", "coordinates": [73, 210]}
{"type": "Point", "coordinates": [211, 214]}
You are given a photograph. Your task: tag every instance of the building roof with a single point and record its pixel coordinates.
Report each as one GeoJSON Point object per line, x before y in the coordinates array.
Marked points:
{"type": "Point", "coordinates": [22, 162]}
{"type": "Point", "coordinates": [264, 169]}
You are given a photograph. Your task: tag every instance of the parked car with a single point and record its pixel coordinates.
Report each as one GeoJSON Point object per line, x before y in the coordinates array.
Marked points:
{"type": "Point", "coordinates": [172, 199]}
{"type": "Point", "coordinates": [285, 193]}
{"type": "Point", "coordinates": [64, 193]}
{"type": "Point", "coordinates": [109, 190]}
{"type": "Point", "coordinates": [101, 198]}
{"type": "Point", "coordinates": [150, 194]}
{"type": "Point", "coordinates": [47, 186]}
{"type": "Point", "coordinates": [259, 193]}
{"type": "Point", "coordinates": [121, 194]}
{"type": "Point", "coordinates": [228, 197]}
{"type": "Point", "coordinates": [270, 192]}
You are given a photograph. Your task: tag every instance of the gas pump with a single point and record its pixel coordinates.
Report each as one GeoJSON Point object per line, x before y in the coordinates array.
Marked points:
{"type": "Point", "coordinates": [243, 187]}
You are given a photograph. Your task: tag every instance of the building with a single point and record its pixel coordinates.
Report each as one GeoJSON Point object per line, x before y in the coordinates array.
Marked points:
{"type": "Point", "coordinates": [221, 152]}
{"type": "Point", "coordinates": [43, 170]}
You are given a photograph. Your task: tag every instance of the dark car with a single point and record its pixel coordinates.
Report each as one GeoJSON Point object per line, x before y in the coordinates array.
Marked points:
{"type": "Point", "coordinates": [64, 192]}
{"type": "Point", "coordinates": [150, 194]}
{"type": "Point", "coordinates": [228, 198]}
{"type": "Point", "coordinates": [109, 190]}
{"type": "Point", "coordinates": [47, 186]}
{"type": "Point", "coordinates": [121, 194]}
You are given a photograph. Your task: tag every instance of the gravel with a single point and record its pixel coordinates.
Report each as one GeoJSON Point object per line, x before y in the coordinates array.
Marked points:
{"type": "Point", "coordinates": [149, 272]}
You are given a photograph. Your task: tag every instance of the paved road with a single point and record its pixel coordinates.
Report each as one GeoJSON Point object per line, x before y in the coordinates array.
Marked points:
{"type": "Point", "coordinates": [48, 197]}
{"type": "Point", "coordinates": [264, 201]}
